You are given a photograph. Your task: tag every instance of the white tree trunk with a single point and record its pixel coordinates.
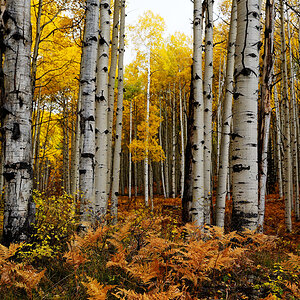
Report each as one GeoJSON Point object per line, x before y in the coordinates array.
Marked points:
{"type": "Point", "coordinates": [265, 110]}
{"type": "Point", "coordinates": [278, 142]}
{"type": "Point", "coordinates": [244, 147]}
{"type": "Point", "coordinates": [111, 87]}
{"type": "Point", "coordinates": [173, 172]}
{"type": "Point", "coordinates": [294, 117]}
{"type": "Point", "coordinates": [146, 162]}
{"type": "Point", "coordinates": [101, 192]}
{"type": "Point", "coordinates": [87, 113]}
{"type": "Point", "coordinates": [119, 120]}
{"type": "Point", "coordinates": [182, 161]}
{"type": "Point", "coordinates": [288, 192]}
{"type": "Point", "coordinates": [197, 209]}
{"type": "Point", "coordinates": [208, 98]}
{"type": "Point", "coordinates": [16, 122]}
{"type": "Point", "coordinates": [226, 122]}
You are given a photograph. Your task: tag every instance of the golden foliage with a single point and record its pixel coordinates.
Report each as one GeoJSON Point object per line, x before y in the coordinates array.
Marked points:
{"type": "Point", "coordinates": [95, 290]}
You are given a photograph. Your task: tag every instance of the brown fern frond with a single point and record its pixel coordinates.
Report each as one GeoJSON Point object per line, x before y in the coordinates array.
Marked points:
{"type": "Point", "coordinates": [6, 253]}
{"type": "Point", "coordinates": [95, 290]}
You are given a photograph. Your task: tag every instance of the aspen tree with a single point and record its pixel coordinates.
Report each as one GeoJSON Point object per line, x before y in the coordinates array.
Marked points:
{"type": "Point", "coordinates": [16, 112]}
{"type": "Point", "coordinates": [146, 161]}
{"type": "Point", "coordinates": [244, 136]}
{"type": "Point", "coordinates": [182, 161]}
{"type": "Point", "coordinates": [161, 144]}
{"type": "Point", "coordinates": [173, 170]}
{"type": "Point", "coordinates": [288, 192]}
{"type": "Point", "coordinates": [265, 110]}
{"type": "Point", "coordinates": [101, 192]}
{"type": "Point", "coordinates": [119, 117]}
{"type": "Point", "coordinates": [111, 87]}
{"type": "Point", "coordinates": [197, 209]}
{"type": "Point", "coordinates": [87, 112]}
{"type": "Point", "coordinates": [226, 122]}
{"type": "Point", "coordinates": [278, 142]}
{"type": "Point", "coordinates": [294, 117]}
{"type": "Point", "coordinates": [208, 98]}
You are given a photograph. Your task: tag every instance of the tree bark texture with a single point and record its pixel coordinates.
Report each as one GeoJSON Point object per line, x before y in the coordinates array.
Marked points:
{"type": "Point", "coordinates": [16, 114]}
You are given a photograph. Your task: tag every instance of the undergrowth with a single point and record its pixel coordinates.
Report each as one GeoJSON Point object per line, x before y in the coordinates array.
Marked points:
{"type": "Point", "coordinates": [145, 256]}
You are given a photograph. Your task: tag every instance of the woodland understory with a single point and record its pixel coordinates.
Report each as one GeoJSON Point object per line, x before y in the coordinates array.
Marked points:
{"type": "Point", "coordinates": [175, 176]}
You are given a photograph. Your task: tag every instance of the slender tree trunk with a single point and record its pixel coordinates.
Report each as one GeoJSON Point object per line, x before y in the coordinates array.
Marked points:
{"type": "Point", "coordinates": [182, 162]}
{"type": "Point", "coordinates": [187, 198]}
{"type": "Point", "coordinates": [130, 156]}
{"type": "Point", "coordinates": [160, 142]}
{"type": "Point", "coordinates": [101, 192]}
{"type": "Point", "coordinates": [288, 193]}
{"type": "Point", "coordinates": [294, 117]}
{"type": "Point", "coordinates": [173, 106]}
{"type": "Point", "coordinates": [38, 34]}
{"type": "Point", "coordinates": [119, 120]}
{"type": "Point", "coordinates": [226, 123]}
{"type": "Point", "coordinates": [111, 87]}
{"type": "Point", "coordinates": [16, 114]}
{"type": "Point", "coordinates": [244, 150]}
{"type": "Point", "coordinates": [278, 142]}
{"type": "Point", "coordinates": [87, 112]}
{"type": "Point", "coordinates": [198, 147]}
{"type": "Point", "coordinates": [146, 162]}
{"type": "Point", "coordinates": [208, 98]}
{"type": "Point", "coordinates": [167, 154]}
{"type": "Point", "coordinates": [265, 110]}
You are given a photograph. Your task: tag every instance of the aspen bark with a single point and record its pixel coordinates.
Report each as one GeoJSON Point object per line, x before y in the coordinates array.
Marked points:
{"type": "Point", "coordinates": [111, 87]}
{"type": "Point", "coordinates": [244, 146]}
{"type": "Point", "coordinates": [294, 117]}
{"type": "Point", "coordinates": [87, 113]}
{"type": "Point", "coordinates": [182, 162]}
{"type": "Point", "coordinates": [146, 161]}
{"type": "Point", "coordinates": [119, 118]}
{"type": "Point", "coordinates": [173, 172]}
{"type": "Point", "coordinates": [278, 142]}
{"type": "Point", "coordinates": [208, 98]}
{"type": "Point", "coordinates": [16, 113]}
{"type": "Point", "coordinates": [161, 144]}
{"type": "Point", "coordinates": [226, 122]}
{"type": "Point", "coordinates": [265, 111]}
{"type": "Point", "coordinates": [101, 192]}
{"type": "Point", "coordinates": [197, 209]}
{"type": "Point", "coordinates": [288, 192]}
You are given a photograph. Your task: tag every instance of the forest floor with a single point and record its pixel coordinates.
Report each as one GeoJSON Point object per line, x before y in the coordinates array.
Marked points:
{"type": "Point", "coordinates": [149, 255]}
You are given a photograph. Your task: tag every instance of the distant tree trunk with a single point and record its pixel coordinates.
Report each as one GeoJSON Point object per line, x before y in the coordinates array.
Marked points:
{"type": "Point", "coordinates": [66, 158]}
{"type": "Point", "coordinates": [167, 154]}
{"type": "Point", "coordinates": [244, 146]}
{"type": "Point", "coordinates": [288, 193]}
{"type": "Point", "coordinates": [101, 192]}
{"type": "Point", "coordinates": [182, 162]}
{"type": "Point", "coordinates": [173, 172]}
{"type": "Point", "coordinates": [111, 87]}
{"type": "Point", "coordinates": [146, 161]}
{"type": "Point", "coordinates": [130, 156]}
{"type": "Point", "coordinates": [198, 146]}
{"type": "Point", "coordinates": [208, 98]}
{"type": "Point", "coordinates": [226, 123]}
{"type": "Point", "coordinates": [161, 144]}
{"type": "Point", "coordinates": [119, 120]}
{"type": "Point", "coordinates": [265, 111]}
{"type": "Point", "coordinates": [16, 114]}
{"type": "Point", "coordinates": [87, 112]}
{"type": "Point", "coordinates": [187, 198]}
{"type": "Point", "coordinates": [278, 142]}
